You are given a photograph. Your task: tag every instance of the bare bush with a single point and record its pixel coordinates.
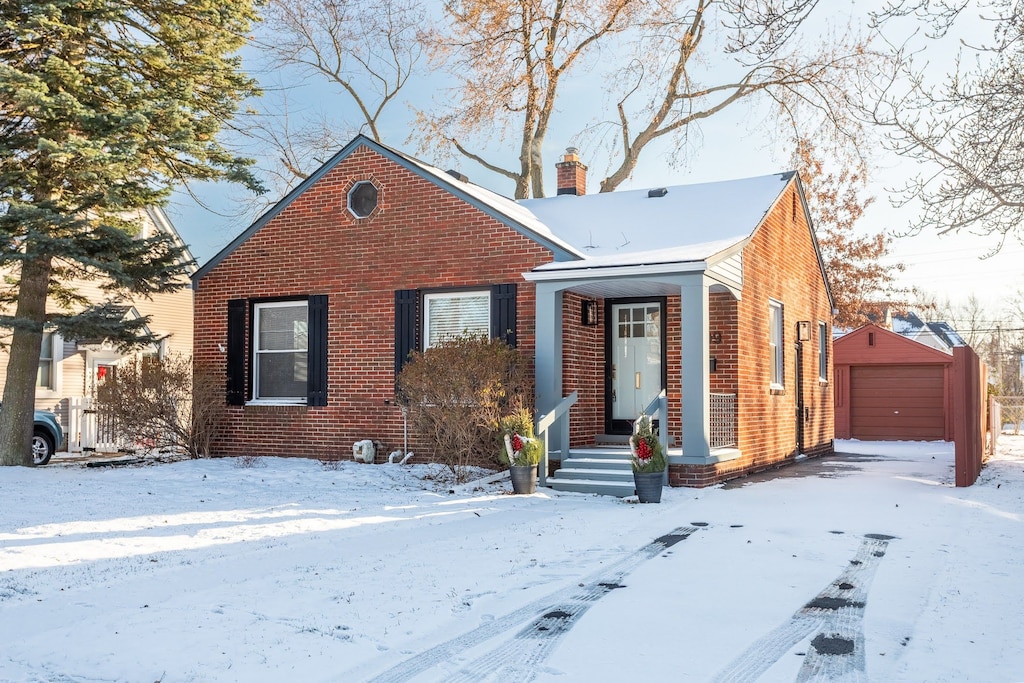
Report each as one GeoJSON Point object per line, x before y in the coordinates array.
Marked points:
{"type": "Point", "coordinates": [457, 391]}
{"type": "Point", "coordinates": [165, 404]}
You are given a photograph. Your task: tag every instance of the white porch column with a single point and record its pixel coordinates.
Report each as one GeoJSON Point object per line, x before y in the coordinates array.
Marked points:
{"type": "Point", "coordinates": [696, 374]}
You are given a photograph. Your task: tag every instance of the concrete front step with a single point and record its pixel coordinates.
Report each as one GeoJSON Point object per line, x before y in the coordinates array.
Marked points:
{"type": "Point", "coordinates": [574, 471]}
{"type": "Point", "coordinates": [603, 470]}
{"type": "Point", "coordinates": [606, 488]}
{"type": "Point", "coordinates": [598, 463]}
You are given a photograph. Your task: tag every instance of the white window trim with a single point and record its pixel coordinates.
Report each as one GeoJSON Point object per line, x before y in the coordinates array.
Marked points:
{"type": "Point", "coordinates": [776, 343]}
{"type": "Point", "coordinates": [56, 370]}
{"type": "Point", "coordinates": [822, 352]}
{"type": "Point", "coordinates": [277, 400]}
{"type": "Point", "coordinates": [348, 199]}
{"type": "Point", "coordinates": [466, 294]}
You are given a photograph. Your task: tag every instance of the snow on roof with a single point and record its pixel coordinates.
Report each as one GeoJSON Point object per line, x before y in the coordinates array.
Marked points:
{"type": "Point", "coordinates": [906, 323]}
{"type": "Point", "coordinates": [946, 333]}
{"type": "Point", "coordinates": [688, 223]}
{"type": "Point", "coordinates": [509, 207]}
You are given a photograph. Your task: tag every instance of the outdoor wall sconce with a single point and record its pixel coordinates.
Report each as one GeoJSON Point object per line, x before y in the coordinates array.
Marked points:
{"type": "Point", "coordinates": [716, 337]}
{"type": "Point", "coordinates": [588, 312]}
{"type": "Point", "coordinates": [713, 364]}
{"type": "Point", "coordinates": [803, 330]}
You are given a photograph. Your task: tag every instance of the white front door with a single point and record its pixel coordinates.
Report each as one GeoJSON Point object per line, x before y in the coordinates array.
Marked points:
{"type": "Point", "coordinates": [636, 359]}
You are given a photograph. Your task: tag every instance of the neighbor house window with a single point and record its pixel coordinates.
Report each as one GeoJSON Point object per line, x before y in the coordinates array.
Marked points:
{"type": "Point", "coordinates": [452, 314]}
{"type": "Point", "coordinates": [45, 375]}
{"type": "Point", "coordinates": [775, 343]}
{"type": "Point", "coordinates": [822, 351]}
{"type": "Point", "coordinates": [280, 346]}
{"type": "Point", "coordinates": [362, 199]}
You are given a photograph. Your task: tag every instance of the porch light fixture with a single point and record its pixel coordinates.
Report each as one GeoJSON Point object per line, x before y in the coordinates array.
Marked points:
{"type": "Point", "coordinates": [588, 312]}
{"type": "Point", "coordinates": [803, 330]}
{"type": "Point", "coordinates": [713, 364]}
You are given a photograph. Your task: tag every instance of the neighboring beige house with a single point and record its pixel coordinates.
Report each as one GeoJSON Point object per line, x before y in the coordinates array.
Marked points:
{"type": "Point", "coordinates": [69, 369]}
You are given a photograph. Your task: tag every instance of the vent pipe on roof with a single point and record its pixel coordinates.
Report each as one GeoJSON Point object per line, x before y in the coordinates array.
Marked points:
{"type": "Point", "coordinates": [458, 176]}
{"type": "Point", "coordinates": [657, 192]}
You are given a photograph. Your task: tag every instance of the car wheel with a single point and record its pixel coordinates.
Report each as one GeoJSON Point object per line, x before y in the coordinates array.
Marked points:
{"type": "Point", "coordinates": [42, 448]}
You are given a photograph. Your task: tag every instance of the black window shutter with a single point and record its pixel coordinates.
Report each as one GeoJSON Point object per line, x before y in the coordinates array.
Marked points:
{"type": "Point", "coordinates": [316, 377]}
{"type": "Point", "coordinates": [503, 313]}
{"type": "Point", "coordinates": [235, 389]}
{"type": "Point", "coordinates": [406, 304]}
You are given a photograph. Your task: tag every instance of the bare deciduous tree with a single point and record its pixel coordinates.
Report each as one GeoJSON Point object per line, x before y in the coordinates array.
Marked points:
{"type": "Point", "coordinates": [862, 284]}
{"type": "Point", "coordinates": [510, 58]}
{"type": "Point", "coordinates": [695, 59]}
{"type": "Point", "coordinates": [366, 51]}
{"type": "Point", "coordinates": [966, 128]}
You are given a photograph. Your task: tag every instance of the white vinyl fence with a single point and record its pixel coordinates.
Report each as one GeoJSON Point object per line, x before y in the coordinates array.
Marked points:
{"type": "Point", "coordinates": [88, 429]}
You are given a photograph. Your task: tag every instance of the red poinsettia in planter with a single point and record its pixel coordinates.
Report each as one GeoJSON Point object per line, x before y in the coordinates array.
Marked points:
{"type": "Point", "coordinates": [648, 460]}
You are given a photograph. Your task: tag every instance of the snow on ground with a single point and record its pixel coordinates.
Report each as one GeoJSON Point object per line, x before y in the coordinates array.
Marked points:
{"type": "Point", "coordinates": [868, 565]}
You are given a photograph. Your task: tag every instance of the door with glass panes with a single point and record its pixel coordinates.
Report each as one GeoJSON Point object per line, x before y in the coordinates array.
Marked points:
{"type": "Point", "coordinates": [636, 371]}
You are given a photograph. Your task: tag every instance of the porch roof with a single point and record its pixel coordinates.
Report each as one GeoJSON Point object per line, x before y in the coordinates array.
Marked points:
{"type": "Point", "coordinates": [683, 224]}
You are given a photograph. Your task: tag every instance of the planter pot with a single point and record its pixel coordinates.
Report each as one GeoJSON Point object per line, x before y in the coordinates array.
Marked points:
{"type": "Point", "coordinates": [648, 486]}
{"type": "Point", "coordinates": [524, 478]}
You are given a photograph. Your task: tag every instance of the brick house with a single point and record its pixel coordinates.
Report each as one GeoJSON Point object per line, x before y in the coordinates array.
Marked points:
{"type": "Point", "coordinates": [713, 294]}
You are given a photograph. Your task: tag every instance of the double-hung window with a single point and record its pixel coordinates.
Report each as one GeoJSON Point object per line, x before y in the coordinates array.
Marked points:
{"type": "Point", "coordinates": [45, 375]}
{"type": "Point", "coordinates": [426, 318]}
{"type": "Point", "coordinates": [280, 344]}
{"type": "Point", "coordinates": [277, 351]}
{"type": "Point", "coordinates": [775, 344]}
{"type": "Point", "coordinates": [447, 315]}
{"type": "Point", "coordinates": [822, 351]}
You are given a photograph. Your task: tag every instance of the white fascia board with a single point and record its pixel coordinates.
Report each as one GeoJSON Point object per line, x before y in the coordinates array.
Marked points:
{"type": "Point", "coordinates": [600, 273]}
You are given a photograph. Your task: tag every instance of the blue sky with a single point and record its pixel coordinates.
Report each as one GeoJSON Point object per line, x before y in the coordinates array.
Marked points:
{"type": "Point", "coordinates": [736, 143]}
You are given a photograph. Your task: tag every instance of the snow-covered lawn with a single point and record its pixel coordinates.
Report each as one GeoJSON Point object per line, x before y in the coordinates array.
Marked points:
{"type": "Point", "coordinates": [856, 567]}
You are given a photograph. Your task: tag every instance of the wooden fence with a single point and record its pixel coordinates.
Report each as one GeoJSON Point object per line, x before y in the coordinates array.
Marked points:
{"type": "Point", "coordinates": [970, 414]}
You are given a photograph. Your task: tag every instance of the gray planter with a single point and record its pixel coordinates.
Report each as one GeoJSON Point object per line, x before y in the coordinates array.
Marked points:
{"type": "Point", "coordinates": [524, 478]}
{"type": "Point", "coordinates": [648, 486]}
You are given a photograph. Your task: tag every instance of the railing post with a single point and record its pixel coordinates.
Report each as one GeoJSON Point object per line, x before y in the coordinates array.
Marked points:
{"type": "Point", "coordinates": [542, 430]}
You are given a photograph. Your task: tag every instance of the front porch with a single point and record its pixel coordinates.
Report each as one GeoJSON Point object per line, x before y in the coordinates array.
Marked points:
{"type": "Point", "coordinates": [698, 420]}
{"type": "Point", "coordinates": [606, 468]}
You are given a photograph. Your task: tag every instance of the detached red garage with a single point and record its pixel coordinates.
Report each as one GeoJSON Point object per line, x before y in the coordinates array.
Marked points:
{"type": "Point", "coordinates": [890, 388]}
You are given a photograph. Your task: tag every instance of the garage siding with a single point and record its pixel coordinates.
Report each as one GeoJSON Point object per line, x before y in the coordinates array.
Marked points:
{"type": "Point", "coordinates": [894, 402]}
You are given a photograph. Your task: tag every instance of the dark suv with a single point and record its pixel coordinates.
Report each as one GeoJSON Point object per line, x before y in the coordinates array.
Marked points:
{"type": "Point", "coordinates": [47, 435]}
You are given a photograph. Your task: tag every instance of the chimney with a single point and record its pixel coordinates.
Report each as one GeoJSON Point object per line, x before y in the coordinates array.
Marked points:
{"type": "Point", "coordinates": [572, 174]}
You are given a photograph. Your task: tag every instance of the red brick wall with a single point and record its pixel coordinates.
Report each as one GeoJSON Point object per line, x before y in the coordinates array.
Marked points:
{"type": "Point", "coordinates": [779, 263]}
{"type": "Point", "coordinates": [724, 342]}
{"type": "Point", "coordinates": [421, 236]}
{"type": "Point", "coordinates": [583, 370]}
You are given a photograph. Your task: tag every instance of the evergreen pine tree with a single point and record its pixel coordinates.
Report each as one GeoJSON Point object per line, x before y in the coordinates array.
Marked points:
{"type": "Point", "coordinates": [104, 106]}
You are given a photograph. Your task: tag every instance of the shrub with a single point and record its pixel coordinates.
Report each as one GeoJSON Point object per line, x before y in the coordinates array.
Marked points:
{"type": "Point", "coordinates": [164, 404]}
{"type": "Point", "coordinates": [456, 392]}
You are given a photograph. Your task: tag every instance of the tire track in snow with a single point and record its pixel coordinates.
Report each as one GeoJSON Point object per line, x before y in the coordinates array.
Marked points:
{"type": "Point", "coordinates": [551, 617]}
{"type": "Point", "coordinates": [835, 617]}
